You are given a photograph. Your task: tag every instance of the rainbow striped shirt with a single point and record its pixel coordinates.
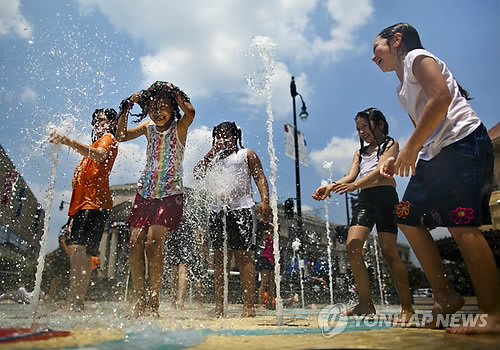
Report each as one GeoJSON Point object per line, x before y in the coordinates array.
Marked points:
{"type": "Point", "coordinates": [162, 176]}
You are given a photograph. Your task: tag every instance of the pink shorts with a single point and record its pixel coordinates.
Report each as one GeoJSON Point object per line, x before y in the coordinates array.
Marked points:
{"type": "Point", "coordinates": [165, 212]}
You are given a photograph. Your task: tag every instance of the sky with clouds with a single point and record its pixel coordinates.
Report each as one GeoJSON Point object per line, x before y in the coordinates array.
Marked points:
{"type": "Point", "coordinates": [62, 59]}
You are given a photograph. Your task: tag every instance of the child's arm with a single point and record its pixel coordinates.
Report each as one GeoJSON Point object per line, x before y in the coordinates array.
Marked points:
{"type": "Point", "coordinates": [122, 133]}
{"type": "Point", "coordinates": [96, 154]}
{"type": "Point", "coordinates": [428, 74]}
{"type": "Point", "coordinates": [189, 113]}
{"type": "Point", "coordinates": [381, 170]}
{"type": "Point", "coordinates": [260, 180]}
{"type": "Point", "coordinates": [323, 191]}
{"type": "Point", "coordinates": [203, 165]}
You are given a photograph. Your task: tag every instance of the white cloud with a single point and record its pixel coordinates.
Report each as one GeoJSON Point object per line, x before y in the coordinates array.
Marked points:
{"type": "Point", "coordinates": [129, 163]}
{"type": "Point", "coordinates": [205, 47]}
{"type": "Point", "coordinates": [29, 95]}
{"type": "Point", "coordinates": [340, 151]}
{"type": "Point", "coordinates": [11, 19]}
{"type": "Point", "coordinates": [199, 142]}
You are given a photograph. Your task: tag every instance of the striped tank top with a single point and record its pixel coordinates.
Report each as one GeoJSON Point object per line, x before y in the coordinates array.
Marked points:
{"type": "Point", "coordinates": [162, 176]}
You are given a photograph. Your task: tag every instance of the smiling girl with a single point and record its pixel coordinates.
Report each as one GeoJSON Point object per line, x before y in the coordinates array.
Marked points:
{"type": "Point", "coordinates": [376, 204]}
{"type": "Point", "coordinates": [158, 205]}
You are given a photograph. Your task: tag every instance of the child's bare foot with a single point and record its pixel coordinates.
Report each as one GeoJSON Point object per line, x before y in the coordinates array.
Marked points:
{"type": "Point", "coordinates": [448, 306]}
{"type": "Point", "coordinates": [404, 316]}
{"type": "Point", "coordinates": [216, 313]}
{"type": "Point", "coordinates": [486, 324]}
{"type": "Point", "coordinates": [359, 310]}
{"type": "Point", "coordinates": [248, 312]}
{"type": "Point", "coordinates": [139, 310]}
{"type": "Point", "coordinates": [154, 304]}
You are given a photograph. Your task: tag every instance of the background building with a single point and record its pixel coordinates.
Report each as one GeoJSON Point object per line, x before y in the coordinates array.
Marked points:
{"type": "Point", "coordinates": [21, 226]}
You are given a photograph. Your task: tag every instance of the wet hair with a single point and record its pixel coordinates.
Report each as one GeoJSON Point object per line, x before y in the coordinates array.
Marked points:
{"type": "Point", "coordinates": [228, 127]}
{"type": "Point", "coordinates": [411, 41]}
{"type": "Point", "coordinates": [410, 37]}
{"type": "Point", "coordinates": [376, 115]}
{"type": "Point", "coordinates": [110, 114]}
{"type": "Point", "coordinates": [158, 90]}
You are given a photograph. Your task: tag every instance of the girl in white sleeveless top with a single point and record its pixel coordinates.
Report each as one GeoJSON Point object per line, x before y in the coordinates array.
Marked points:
{"type": "Point", "coordinates": [227, 171]}
{"type": "Point", "coordinates": [451, 184]}
{"type": "Point", "coordinates": [377, 200]}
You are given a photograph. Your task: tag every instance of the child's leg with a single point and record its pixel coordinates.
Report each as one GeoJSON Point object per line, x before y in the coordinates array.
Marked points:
{"type": "Point", "coordinates": [219, 280]}
{"type": "Point", "coordinates": [271, 288]}
{"type": "Point", "coordinates": [155, 245]}
{"type": "Point", "coordinates": [136, 261]}
{"type": "Point", "coordinates": [388, 245]}
{"type": "Point", "coordinates": [480, 263]}
{"type": "Point", "coordinates": [264, 283]}
{"type": "Point", "coordinates": [181, 287]}
{"type": "Point", "coordinates": [355, 239]}
{"type": "Point", "coordinates": [446, 299]}
{"type": "Point", "coordinates": [244, 259]}
{"type": "Point", "coordinates": [174, 283]}
{"type": "Point", "coordinates": [79, 277]}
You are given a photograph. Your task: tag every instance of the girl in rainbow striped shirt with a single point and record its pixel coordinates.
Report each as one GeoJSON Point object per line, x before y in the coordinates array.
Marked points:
{"type": "Point", "coordinates": [158, 205]}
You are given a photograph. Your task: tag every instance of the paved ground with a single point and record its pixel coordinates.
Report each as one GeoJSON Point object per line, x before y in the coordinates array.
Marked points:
{"type": "Point", "coordinates": [105, 325]}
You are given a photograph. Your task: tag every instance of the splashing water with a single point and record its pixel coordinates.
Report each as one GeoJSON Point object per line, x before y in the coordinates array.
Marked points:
{"type": "Point", "coordinates": [226, 278]}
{"type": "Point", "coordinates": [43, 241]}
{"type": "Point", "coordinates": [265, 46]}
{"type": "Point", "coordinates": [328, 165]}
{"type": "Point", "coordinates": [379, 277]}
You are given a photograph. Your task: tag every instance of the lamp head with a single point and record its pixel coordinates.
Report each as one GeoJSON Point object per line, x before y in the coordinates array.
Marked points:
{"type": "Point", "coordinates": [303, 113]}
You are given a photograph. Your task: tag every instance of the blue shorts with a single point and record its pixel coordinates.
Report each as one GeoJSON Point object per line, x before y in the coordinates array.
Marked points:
{"type": "Point", "coordinates": [452, 189]}
{"type": "Point", "coordinates": [376, 206]}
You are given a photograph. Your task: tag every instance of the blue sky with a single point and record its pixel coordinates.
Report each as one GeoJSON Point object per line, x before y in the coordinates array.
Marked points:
{"type": "Point", "coordinates": [60, 60]}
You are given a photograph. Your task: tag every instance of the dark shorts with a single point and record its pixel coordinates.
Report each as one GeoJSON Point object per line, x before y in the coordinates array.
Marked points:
{"type": "Point", "coordinates": [263, 263]}
{"type": "Point", "coordinates": [452, 189]}
{"type": "Point", "coordinates": [164, 212]}
{"type": "Point", "coordinates": [376, 206]}
{"type": "Point", "coordinates": [239, 227]}
{"type": "Point", "coordinates": [88, 225]}
{"type": "Point", "coordinates": [57, 263]}
{"type": "Point", "coordinates": [180, 246]}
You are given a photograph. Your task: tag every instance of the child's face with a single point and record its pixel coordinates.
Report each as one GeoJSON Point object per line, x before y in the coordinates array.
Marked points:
{"type": "Point", "coordinates": [363, 129]}
{"type": "Point", "coordinates": [160, 111]}
{"type": "Point", "coordinates": [225, 139]}
{"type": "Point", "coordinates": [101, 124]}
{"type": "Point", "coordinates": [383, 55]}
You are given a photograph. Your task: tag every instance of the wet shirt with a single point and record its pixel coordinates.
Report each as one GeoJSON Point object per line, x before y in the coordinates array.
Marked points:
{"type": "Point", "coordinates": [91, 179]}
{"type": "Point", "coordinates": [162, 176]}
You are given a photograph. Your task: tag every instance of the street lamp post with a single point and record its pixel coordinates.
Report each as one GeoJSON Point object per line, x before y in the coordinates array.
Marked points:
{"type": "Point", "coordinates": [303, 115]}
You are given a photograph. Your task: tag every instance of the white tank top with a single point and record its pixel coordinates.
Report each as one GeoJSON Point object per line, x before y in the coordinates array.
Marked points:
{"type": "Point", "coordinates": [460, 120]}
{"type": "Point", "coordinates": [231, 182]}
{"type": "Point", "coordinates": [368, 164]}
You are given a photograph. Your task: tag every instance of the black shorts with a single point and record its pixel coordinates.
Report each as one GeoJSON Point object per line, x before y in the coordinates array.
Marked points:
{"type": "Point", "coordinates": [87, 229]}
{"type": "Point", "coordinates": [263, 263]}
{"type": "Point", "coordinates": [453, 188]}
{"type": "Point", "coordinates": [376, 206]}
{"type": "Point", "coordinates": [180, 245]}
{"type": "Point", "coordinates": [240, 226]}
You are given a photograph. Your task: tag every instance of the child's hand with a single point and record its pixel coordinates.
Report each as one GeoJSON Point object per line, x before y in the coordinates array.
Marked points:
{"type": "Point", "coordinates": [323, 192]}
{"type": "Point", "coordinates": [388, 167]}
{"type": "Point", "coordinates": [57, 138]}
{"type": "Point", "coordinates": [135, 97]}
{"type": "Point", "coordinates": [265, 211]}
{"type": "Point", "coordinates": [405, 163]}
{"type": "Point", "coordinates": [342, 188]}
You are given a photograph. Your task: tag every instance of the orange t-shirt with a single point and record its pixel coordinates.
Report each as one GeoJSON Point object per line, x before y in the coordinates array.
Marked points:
{"type": "Point", "coordinates": [91, 179]}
